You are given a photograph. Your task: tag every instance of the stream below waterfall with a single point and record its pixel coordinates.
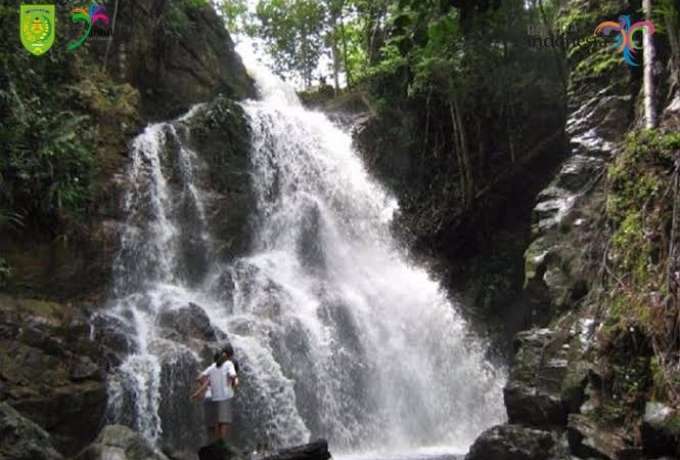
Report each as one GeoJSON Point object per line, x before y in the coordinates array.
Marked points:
{"type": "Point", "coordinates": [338, 332]}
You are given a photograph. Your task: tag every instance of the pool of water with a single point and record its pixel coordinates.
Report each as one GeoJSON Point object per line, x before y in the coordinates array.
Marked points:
{"type": "Point", "coordinates": [425, 453]}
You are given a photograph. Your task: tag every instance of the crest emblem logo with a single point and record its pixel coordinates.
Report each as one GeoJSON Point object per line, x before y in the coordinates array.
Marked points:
{"type": "Point", "coordinates": [36, 28]}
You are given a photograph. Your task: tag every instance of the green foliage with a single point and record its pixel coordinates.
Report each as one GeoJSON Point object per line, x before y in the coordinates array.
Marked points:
{"type": "Point", "coordinates": [292, 31]}
{"type": "Point", "coordinates": [196, 4]}
{"type": "Point", "coordinates": [175, 20]}
{"type": "Point", "coordinates": [640, 212]}
{"type": "Point", "coordinates": [237, 18]}
{"type": "Point", "coordinates": [49, 157]}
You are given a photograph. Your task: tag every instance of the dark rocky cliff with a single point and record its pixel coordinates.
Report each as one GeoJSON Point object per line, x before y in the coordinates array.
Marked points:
{"type": "Point", "coordinates": [60, 239]}
{"type": "Point", "coordinates": [591, 379]}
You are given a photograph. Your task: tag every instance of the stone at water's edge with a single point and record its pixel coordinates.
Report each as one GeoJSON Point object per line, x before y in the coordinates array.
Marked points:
{"type": "Point", "coordinates": [516, 442]}
{"type": "Point", "coordinates": [120, 443]}
{"type": "Point", "coordinates": [21, 439]}
{"type": "Point", "coordinates": [544, 384]}
{"type": "Point", "coordinates": [317, 450]}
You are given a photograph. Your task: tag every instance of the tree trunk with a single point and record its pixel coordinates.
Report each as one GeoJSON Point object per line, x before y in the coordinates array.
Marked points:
{"type": "Point", "coordinates": [459, 156]}
{"type": "Point", "coordinates": [336, 56]}
{"type": "Point", "coordinates": [345, 59]}
{"type": "Point", "coordinates": [651, 120]}
{"type": "Point", "coordinates": [465, 153]}
{"type": "Point", "coordinates": [113, 31]}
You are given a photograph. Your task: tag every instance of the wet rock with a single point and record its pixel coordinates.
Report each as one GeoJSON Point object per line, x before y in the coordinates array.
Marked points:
{"type": "Point", "coordinates": [189, 322]}
{"type": "Point", "coordinates": [660, 430]}
{"type": "Point", "coordinates": [113, 334]}
{"type": "Point", "coordinates": [221, 132]}
{"type": "Point", "coordinates": [21, 439]}
{"type": "Point", "coordinates": [589, 440]}
{"type": "Point", "coordinates": [515, 442]}
{"type": "Point", "coordinates": [317, 450]}
{"type": "Point", "coordinates": [120, 443]}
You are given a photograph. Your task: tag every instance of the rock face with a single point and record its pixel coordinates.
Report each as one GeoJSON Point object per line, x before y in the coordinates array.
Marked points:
{"type": "Point", "coordinates": [553, 392]}
{"type": "Point", "coordinates": [21, 439]}
{"type": "Point", "coordinates": [120, 443]}
{"type": "Point", "coordinates": [600, 112]}
{"type": "Point", "coordinates": [176, 53]}
{"type": "Point", "coordinates": [52, 371]}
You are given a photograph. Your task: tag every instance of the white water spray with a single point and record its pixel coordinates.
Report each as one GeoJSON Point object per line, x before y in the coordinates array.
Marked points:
{"type": "Point", "coordinates": [339, 334]}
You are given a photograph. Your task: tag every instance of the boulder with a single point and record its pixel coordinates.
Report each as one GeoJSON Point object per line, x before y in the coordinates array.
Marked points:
{"type": "Point", "coordinates": [516, 442]}
{"type": "Point", "coordinates": [533, 395]}
{"type": "Point", "coordinates": [120, 443]}
{"type": "Point", "coordinates": [660, 430]}
{"type": "Point", "coordinates": [189, 322]}
{"type": "Point", "coordinates": [174, 64]}
{"type": "Point", "coordinates": [21, 439]}
{"type": "Point", "coordinates": [316, 450]}
{"type": "Point", "coordinates": [589, 440]}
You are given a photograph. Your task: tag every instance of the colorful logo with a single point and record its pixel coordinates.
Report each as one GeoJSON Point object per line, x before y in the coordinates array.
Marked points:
{"type": "Point", "coordinates": [36, 28]}
{"type": "Point", "coordinates": [624, 42]}
{"type": "Point", "coordinates": [90, 17]}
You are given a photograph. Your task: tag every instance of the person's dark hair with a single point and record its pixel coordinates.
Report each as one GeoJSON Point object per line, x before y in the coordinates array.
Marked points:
{"type": "Point", "coordinates": [228, 351]}
{"type": "Point", "coordinates": [220, 358]}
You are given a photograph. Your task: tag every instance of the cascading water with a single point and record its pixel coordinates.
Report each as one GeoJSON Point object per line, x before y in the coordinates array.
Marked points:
{"type": "Point", "coordinates": [339, 335]}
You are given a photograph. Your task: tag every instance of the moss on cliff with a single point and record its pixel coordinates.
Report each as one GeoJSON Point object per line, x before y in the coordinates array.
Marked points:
{"type": "Point", "coordinates": [637, 345]}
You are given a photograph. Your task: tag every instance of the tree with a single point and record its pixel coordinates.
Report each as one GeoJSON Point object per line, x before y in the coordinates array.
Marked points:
{"type": "Point", "coordinates": [237, 18]}
{"type": "Point", "coordinates": [292, 31]}
{"type": "Point", "coordinates": [651, 119]}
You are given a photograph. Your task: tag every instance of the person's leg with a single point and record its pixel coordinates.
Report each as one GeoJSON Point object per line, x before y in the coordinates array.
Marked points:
{"type": "Point", "coordinates": [210, 413]}
{"type": "Point", "coordinates": [224, 418]}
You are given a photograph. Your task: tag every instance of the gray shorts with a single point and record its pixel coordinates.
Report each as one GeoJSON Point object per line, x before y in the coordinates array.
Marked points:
{"type": "Point", "coordinates": [217, 412]}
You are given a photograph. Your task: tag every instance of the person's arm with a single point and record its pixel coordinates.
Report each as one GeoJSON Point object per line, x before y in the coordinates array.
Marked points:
{"type": "Point", "coordinates": [199, 391]}
{"type": "Point", "coordinates": [232, 375]}
{"type": "Point", "coordinates": [203, 376]}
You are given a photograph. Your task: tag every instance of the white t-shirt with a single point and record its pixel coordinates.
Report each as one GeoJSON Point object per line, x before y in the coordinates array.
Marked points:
{"type": "Point", "coordinates": [219, 389]}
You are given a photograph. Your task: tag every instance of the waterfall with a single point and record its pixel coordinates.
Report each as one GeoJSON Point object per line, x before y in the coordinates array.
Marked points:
{"type": "Point", "coordinates": [338, 332]}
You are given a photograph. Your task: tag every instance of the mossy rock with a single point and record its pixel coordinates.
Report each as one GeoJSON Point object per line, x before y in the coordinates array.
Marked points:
{"type": "Point", "coordinates": [220, 134]}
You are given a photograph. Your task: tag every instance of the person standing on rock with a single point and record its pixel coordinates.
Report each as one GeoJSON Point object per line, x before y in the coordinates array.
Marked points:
{"type": "Point", "coordinates": [218, 380]}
